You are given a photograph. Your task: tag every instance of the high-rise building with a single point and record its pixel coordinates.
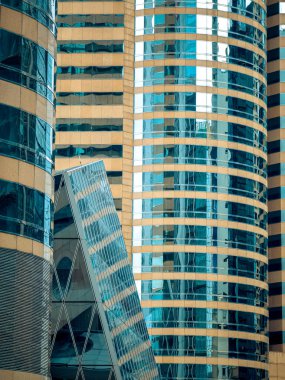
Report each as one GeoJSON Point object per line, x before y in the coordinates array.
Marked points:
{"type": "Point", "coordinates": [27, 51]}
{"type": "Point", "coordinates": [188, 136]}
{"type": "Point", "coordinates": [98, 328]}
{"type": "Point", "coordinates": [276, 172]}
{"type": "Point", "coordinates": [95, 93]}
{"type": "Point", "coordinates": [199, 209]}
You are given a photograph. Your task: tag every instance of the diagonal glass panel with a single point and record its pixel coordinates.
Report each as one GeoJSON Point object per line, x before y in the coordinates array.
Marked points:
{"type": "Point", "coordinates": [64, 352]}
{"type": "Point", "coordinates": [80, 288]}
{"type": "Point", "coordinates": [80, 317]}
{"type": "Point", "coordinates": [57, 316]}
{"type": "Point", "coordinates": [58, 183]}
{"type": "Point", "coordinates": [96, 360]}
{"type": "Point", "coordinates": [65, 252]}
{"type": "Point", "coordinates": [64, 227]}
{"type": "Point", "coordinates": [80, 375]}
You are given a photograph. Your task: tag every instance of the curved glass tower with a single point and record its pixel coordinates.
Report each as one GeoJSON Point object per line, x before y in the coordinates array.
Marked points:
{"type": "Point", "coordinates": [27, 50]}
{"type": "Point", "coordinates": [199, 209]}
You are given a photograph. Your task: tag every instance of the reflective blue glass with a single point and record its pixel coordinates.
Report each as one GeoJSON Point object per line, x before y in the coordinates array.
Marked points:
{"type": "Point", "coordinates": [200, 50]}
{"type": "Point", "coordinates": [200, 318]}
{"type": "Point", "coordinates": [90, 151]}
{"type": "Point", "coordinates": [169, 345]}
{"type": "Point", "coordinates": [209, 371]}
{"type": "Point", "coordinates": [200, 235]}
{"type": "Point", "coordinates": [90, 336]}
{"type": "Point", "coordinates": [194, 262]}
{"type": "Point", "coordinates": [88, 72]}
{"type": "Point", "coordinates": [200, 76]}
{"type": "Point", "coordinates": [86, 125]}
{"type": "Point", "coordinates": [249, 8]}
{"type": "Point", "coordinates": [199, 24]}
{"type": "Point", "coordinates": [89, 98]}
{"type": "Point", "coordinates": [25, 137]}
{"type": "Point", "coordinates": [200, 155]}
{"type": "Point", "coordinates": [25, 212]}
{"type": "Point", "coordinates": [199, 128]}
{"type": "Point", "coordinates": [24, 62]}
{"type": "Point", "coordinates": [199, 290]}
{"type": "Point", "coordinates": [202, 181]}
{"type": "Point", "coordinates": [200, 102]}
{"type": "Point", "coordinates": [90, 46]}
{"type": "Point", "coordinates": [199, 208]}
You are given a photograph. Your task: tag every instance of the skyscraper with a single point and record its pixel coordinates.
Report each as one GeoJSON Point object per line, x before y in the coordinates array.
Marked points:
{"type": "Point", "coordinates": [27, 52]}
{"type": "Point", "coordinates": [195, 158]}
{"type": "Point", "coordinates": [199, 209]}
{"type": "Point", "coordinates": [276, 171]}
{"type": "Point", "coordinates": [95, 93]}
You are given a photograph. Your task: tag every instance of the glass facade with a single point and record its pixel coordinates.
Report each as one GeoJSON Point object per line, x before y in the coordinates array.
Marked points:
{"type": "Point", "coordinates": [200, 168]}
{"type": "Point", "coordinates": [27, 70]}
{"type": "Point", "coordinates": [98, 329]}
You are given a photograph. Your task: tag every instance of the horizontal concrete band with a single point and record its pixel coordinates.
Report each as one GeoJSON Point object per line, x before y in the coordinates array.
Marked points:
{"type": "Point", "coordinates": [199, 168]}
{"type": "Point", "coordinates": [199, 195]}
{"type": "Point", "coordinates": [199, 277]}
{"type": "Point", "coordinates": [199, 62]}
{"type": "Point", "coordinates": [27, 100]}
{"type": "Point", "coordinates": [26, 174]}
{"type": "Point", "coordinates": [212, 361]}
{"type": "Point", "coordinates": [200, 115]}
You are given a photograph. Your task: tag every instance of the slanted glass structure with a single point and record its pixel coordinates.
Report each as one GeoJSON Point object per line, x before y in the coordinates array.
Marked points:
{"type": "Point", "coordinates": [98, 329]}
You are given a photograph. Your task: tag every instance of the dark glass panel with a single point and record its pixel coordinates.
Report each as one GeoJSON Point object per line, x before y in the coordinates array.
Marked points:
{"type": "Point", "coordinates": [90, 151]}
{"type": "Point", "coordinates": [90, 20]}
{"type": "Point", "coordinates": [24, 62]}
{"type": "Point", "coordinates": [90, 47]}
{"type": "Point", "coordinates": [86, 125]}
{"type": "Point", "coordinates": [26, 137]}
{"type": "Point", "coordinates": [25, 212]}
{"type": "Point", "coordinates": [199, 290]}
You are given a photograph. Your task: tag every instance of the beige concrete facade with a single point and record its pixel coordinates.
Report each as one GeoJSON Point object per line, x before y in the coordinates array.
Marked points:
{"type": "Point", "coordinates": [102, 115]}
{"type": "Point", "coordinates": [276, 158]}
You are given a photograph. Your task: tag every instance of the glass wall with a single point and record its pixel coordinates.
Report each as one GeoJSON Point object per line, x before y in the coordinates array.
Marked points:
{"type": "Point", "coordinates": [199, 182]}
